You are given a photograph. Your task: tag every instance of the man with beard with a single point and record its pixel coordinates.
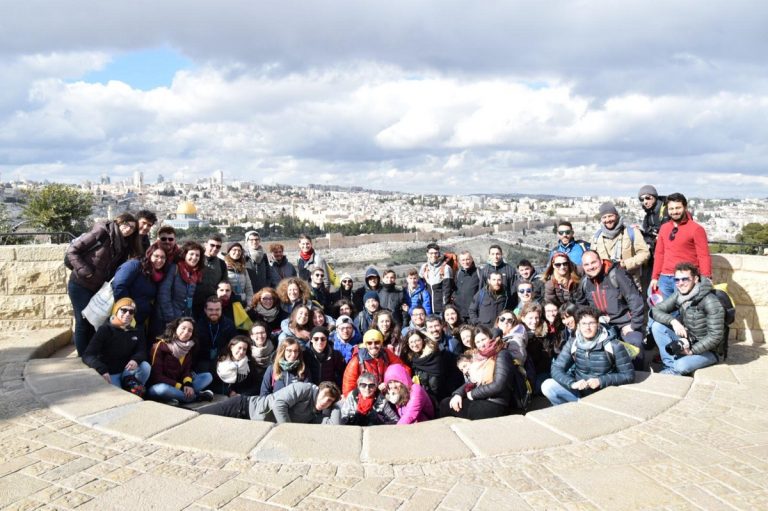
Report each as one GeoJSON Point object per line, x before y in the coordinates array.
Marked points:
{"type": "Point", "coordinates": [497, 264]}
{"type": "Point", "coordinates": [620, 243]}
{"type": "Point", "coordinates": [214, 331]}
{"type": "Point", "coordinates": [655, 211]}
{"type": "Point", "coordinates": [257, 265]}
{"type": "Point", "coordinates": [280, 264]}
{"type": "Point", "coordinates": [391, 296]}
{"type": "Point", "coordinates": [437, 274]}
{"type": "Point", "coordinates": [467, 284]}
{"type": "Point", "coordinates": [345, 291]}
{"type": "Point", "coordinates": [320, 293]}
{"type": "Point", "coordinates": [680, 240]}
{"type": "Point", "coordinates": [489, 302]}
{"type": "Point", "coordinates": [214, 271]}
{"type": "Point", "coordinates": [567, 243]}
{"type": "Point", "coordinates": [166, 239]}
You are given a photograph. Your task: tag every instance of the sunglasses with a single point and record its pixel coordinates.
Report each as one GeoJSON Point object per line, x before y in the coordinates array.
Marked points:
{"type": "Point", "coordinates": [525, 291]}
{"type": "Point", "coordinates": [559, 265]}
{"type": "Point", "coordinates": [212, 245]}
{"type": "Point", "coordinates": [506, 320]}
{"type": "Point", "coordinates": [319, 338]}
{"type": "Point", "coordinates": [673, 233]}
{"type": "Point", "coordinates": [319, 274]}
{"type": "Point", "coordinates": [366, 385]}
{"type": "Point", "coordinates": [125, 310]}
{"type": "Point", "coordinates": [567, 231]}
{"type": "Point", "coordinates": [374, 343]}
{"type": "Point", "coordinates": [346, 281]}
{"type": "Point", "coordinates": [678, 280]}
{"type": "Point", "coordinates": [169, 239]}
{"type": "Point", "coordinates": [645, 198]}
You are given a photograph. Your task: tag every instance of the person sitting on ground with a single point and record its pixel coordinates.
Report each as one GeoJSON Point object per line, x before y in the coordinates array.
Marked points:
{"type": "Point", "coordinates": [214, 332]}
{"type": "Point", "coordinates": [593, 360]}
{"type": "Point", "coordinates": [452, 320]}
{"type": "Point", "coordinates": [366, 405]}
{"type": "Point", "coordinates": [118, 350]}
{"type": "Point", "coordinates": [411, 400]}
{"type": "Point", "coordinates": [265, 307]}
{"type": "Point", "coordinates": [524, 295]}
{"type": "Point", "coordinates": [562, 280]}
{"type": "Point", "coordinates": [288, 367]}
{"type": "Point", "coordinates": [369, 356]}
{"type": "Point", "coordinates": [237, 369]}
{"type": "Point", "coordinates": [514, 335]}
{"type": "Point", "coordinates": [490, 389]}
{"type": "Point", "coordinates": [301, 402]}
{"type": "Point", "coordinates": [422, 355]}
{"type": "Point", "coordinates": [298, 326]}
{"type": "Point", "coordinates": [540, 342]}
{"type": "Point", "coordinates": [322, 361]}
{"type": "Point", "coordinates": [262, 349]}
{"type": "Point", "coordinates": [696, 337]}
{"type": "Point", "coordinates": [292, 293]}
{"type": "Point", "coordinates": [343, 307]}
{"type": "Point", "coordinates": [345, 337]}
{"type": "Point", "coordinates": [384, 322]}
{"type": "Point", "coordinates": [172, 358]}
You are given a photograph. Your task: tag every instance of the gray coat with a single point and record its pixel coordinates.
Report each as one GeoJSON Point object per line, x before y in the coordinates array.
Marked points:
{"type": "Point", "coordinates": [294, 403]}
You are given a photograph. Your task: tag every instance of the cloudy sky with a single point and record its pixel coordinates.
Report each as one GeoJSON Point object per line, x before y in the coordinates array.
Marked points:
{"type": "Point", "coordinates": [564, 97]}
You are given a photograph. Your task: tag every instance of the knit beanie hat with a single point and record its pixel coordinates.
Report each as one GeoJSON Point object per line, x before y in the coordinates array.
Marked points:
{"type": "Point", "coordinates": [371, 294]}
{"type": "Point", "coordinates": [373, 335]}
{"type": "Point", "coordinates": [123, 302]}
{"type": "Point", "coordinates": [608, 208]}
{"type": "Point", "coordinates": [647, 190]}
{"type": "Point", "coordinates": [319, 330]}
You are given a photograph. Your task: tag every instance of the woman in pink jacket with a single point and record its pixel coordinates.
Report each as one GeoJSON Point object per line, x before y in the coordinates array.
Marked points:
{"type": "Point", "coordinates": [411, 400]}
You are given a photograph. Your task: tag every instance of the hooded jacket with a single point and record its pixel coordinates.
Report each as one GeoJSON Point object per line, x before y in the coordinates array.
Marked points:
{"type": "Point", "coordinates": [418, 297]}
{"type": "Point", "coordinates": [623, 304]}
{"type": "Point", "coordinates": [96, 254]}
{"type": "Point", "coordinates": [325, 366]}
{"type": "Point", "coordinates": [358, 294]}
{"type": "Point", "coordinates": [419, 407]}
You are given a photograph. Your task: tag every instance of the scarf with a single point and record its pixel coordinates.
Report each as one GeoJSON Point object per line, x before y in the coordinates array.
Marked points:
{"type": "Point", "coordinates": [589, 345]}
{"type": "Point", "coordinates": [238, 266]}
{"type": "Point", "coordinates": [188, 274]}
{"type": "Point", "coordinates": [365, 404]}
{"type": "Point", "coordinates": [179, 348]}
{"type": "Point", "coordinates": [483, 365]}
{"type": "Point", "coordinates": [242, 369]}
{"type": "Point", "coordinates": [157, 275]}
{"type": "Point", "coordinates": [267, 315]}
{"type": "Point", "coordinates": [306, 257]}
{"type": "Point", "coordinates": [681, 298]}
{"type": "Point", "coordinates": [289, 367]}
{"type": "Point", "coordinates": [263, 354]}
{"type": "Point", "coordinates": [256, 255]}
{"type": "Point", "coordinates": [612, 233]}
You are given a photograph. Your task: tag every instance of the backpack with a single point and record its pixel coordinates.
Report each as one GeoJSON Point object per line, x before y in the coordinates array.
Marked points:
{"type": "Point", "coordinates": [90, 249]}
{"type": "Point", "coordinates": [632, 351]}
{"type": "Point", "coordinates": [521, 385]}
{"type": "Point", "coordinates": [721, 292]}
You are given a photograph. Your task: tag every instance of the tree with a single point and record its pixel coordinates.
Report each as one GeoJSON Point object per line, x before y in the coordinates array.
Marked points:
{"type": "Point", "coordinates": [58, 207]}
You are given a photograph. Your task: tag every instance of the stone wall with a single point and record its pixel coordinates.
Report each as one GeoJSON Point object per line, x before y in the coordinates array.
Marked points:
{"type": "Point", "coordinates": [33, 288]}
{"type": "Point", "coordinates": [747, 278]}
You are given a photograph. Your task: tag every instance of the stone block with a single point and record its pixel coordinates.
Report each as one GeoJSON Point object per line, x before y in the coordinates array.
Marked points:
{"type": "Point", "coordinates": [8, 253]}
{"type": "Point", "coordinates": [58, 307]}
{"type": "Point", "coordinates": [14, 487]}
{"type": "Point", "coordinates": [36, 278]}
{"type": "Point", "coordinates": [727, 262]}
{"type": "Point", "coordinates": [626, 401]}
{"type": "Point", "coordinates": [753, 263]}
{"type": "Point", "coordinates": [139, 421]}
{"type": "Point", "coordinates": [665, 384]}
{"type": "Point", "coordinates": [423, 442]}
{"type": "Point", "coordinates": [82, 379]}
{"type": "Point", "coordinates": [749, 288]}
{"type": "Point", "coordinates": [287, 443]}
{"type": "Point", "coordinates": [219, 435]}
{"type": "Point", "coordinates": [22, 307]}
{"type": "Point", "coordinates": [751, 336]}
{"type": "Point", "coordinates": [148, 491]}
{"type": "Point", "coordinates": [42, 252]}
{"type": "Point", "coordinates": [509, 434]}
{"type": "Point", "coordinates": [23, 325]}
{"type": "Point", "coordinates": [580, 421]}
{"type": "Point", "coordinates": [78, 403]}
{"type": "Point", "coordinates": [715, 373]}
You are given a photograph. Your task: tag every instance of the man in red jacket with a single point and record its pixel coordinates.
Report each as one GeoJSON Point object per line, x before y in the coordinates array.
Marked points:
{"type": "Point", "coordinates": [680, 240]}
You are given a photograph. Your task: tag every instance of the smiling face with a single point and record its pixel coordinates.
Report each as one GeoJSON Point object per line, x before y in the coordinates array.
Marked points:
{"type": "Point", "coordinates": [561, 266]}
{"type": "Point", "coordinates": [158, 259]}
{"type": "Point", "coordinates": [525, 293]}
{"type": "Point", "coordinates": [127, 228]}
{"type": "Point", "coordinates": [494, 282]}
{"type": "Point", "coordinates": [466, 261]}
{"type": "Point", "coordinates": [525, 271]}
{"type": "Point", "coordinates": [254, 241]}
{"type": "Point", "coordinates": [302, 316]}
{"type": "Point", "coordinates": [319, 342]}
{"type": "Point", "coordinates": [531, 320]}
{"type": "Point", "coordinates": [550, 312]}
{"type": "Point", "coordinates": [235, 253]}
{"type": "Point", "coordinates": [293, 292]}
{"type": "Point", "coordinates": [450, 316]}
{"type": "Point", "coordinates": [259, 336]}
{"type": "Point", "coordinates": [609, 220]}
{"type": "Point", "coordinates": [213, 311]}
{"type": "Point", "coordinates": [144, 226]}
{"type": "Point", "coordinates": [239, 350]}
{"type": "Point", "coordinates": [384, 323]}
{"type": "Point", "coordinates": [416, 343]}
{"type": "Point", "coordinates": [292, 353]}
{"type": "Point", "coordinates": [433, 255]}
{"type": "Point", "coordinates": [685, 282]}
{"type": "Point", "coordinates": [676, 210]}
{"type": "Point", "coordinates": [185, 330]}
{"type": "Point", "coordinates": [305, 245]}
{"type": "Point", "coordinates": [192, 258]}
{"type": "Point", "coordinates": [267, 300]}
{"type": "Point", "coordinates": [167, 241]}
{"type": "Point", "coordinates": [345, 331]}
{"type": "Point", "coordinates": [565, 234]}
{"type": "Point", "coordinates": [588, 327]}
{"type": "Point", "coordinates": [482, 341]}
{"type": "Point", "coordinates": [591, 263]}
{"type": "Point", "coordinates": [212, 248]}
{"type": "Point", "coordinates": [318, 318]}
{"type": "Point", "coordinates": [495, 256]}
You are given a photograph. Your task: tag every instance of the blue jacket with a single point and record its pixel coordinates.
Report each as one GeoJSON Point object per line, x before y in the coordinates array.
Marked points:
{"type": "Point", "coordinates": [345, 348]}
{"type": "Point", "coordinates": [130, 282]}
{"type": "Point", "coordinates": [574, 249]}
{"type": "Point", "coordinates": [174, 297]}
{"type": "Point", "coordinates": [419, 297]}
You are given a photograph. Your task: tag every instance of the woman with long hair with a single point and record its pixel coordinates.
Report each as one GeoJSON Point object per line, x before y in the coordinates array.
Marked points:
{"type": "Point", "coordinates": [265, 307]}
{"type": "Point", "coordinates": [177, 289]}
{"type": "Point", "coordinates": [237, 273]}
{"type": "Point", "coordinates": [298, 326]}
{"type": "Point", "coordinates": [384, 322]}
{"type": "Point", "coordinates": [288, 367]}
{"type": "Point", "coordinates": [452, 320]}
{"type": "Point", "coordinates": [422, 355]}
{"type": "Point", "coordinates": [540, 342]}
{"type": "Point", "coordinates": [562, 280]}
{"type": "Point", "coordinates": [292, 292]}
{"type": "Point", "coordinates": [140, 279]}
{"type": "Point", "coordinates": [237, 368]}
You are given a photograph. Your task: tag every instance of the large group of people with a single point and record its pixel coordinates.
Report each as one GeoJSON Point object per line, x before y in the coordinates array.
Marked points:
{"type": "Point", "coordinates": [280, 343]}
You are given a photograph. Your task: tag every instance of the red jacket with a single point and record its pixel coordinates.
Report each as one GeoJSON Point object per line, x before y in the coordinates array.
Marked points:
{"type": "Point", "coordinates": [690, 245]}
{"type": "Point", "coordinates": [166, 368]}
{"type": "Point", "coordinates": [376, 366]}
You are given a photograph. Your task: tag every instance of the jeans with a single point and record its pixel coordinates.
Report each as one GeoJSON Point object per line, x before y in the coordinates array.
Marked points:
{"type": "Point", "coordinates": [685, 364]}
{"type": "Point", "coordinates": [165, 392]}
{"type": "Point", "coordinates": [80, 296]}
{"type": "Point", "coordinates": [473, 409]}
{"type": "Point", "coordinates": [557, 394]}
{"type": "Point", "coordinates": [666, 284]}
{"type": "Point", "coordinates": [141, 373]}
{"type": "Point", "coordinates": [235, 407]}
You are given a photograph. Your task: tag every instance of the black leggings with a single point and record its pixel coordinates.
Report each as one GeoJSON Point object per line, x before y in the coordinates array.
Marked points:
{"type": "Point", "coordinates": [473, 409]}
{"type": "Point", "coordinates": [236, 407]}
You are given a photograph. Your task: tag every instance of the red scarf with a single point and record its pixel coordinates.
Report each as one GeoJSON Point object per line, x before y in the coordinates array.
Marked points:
{"type": "Point", "coordinates": [365, 404]}
{"type": "Point", "coordinates": [188, 274]}
{"type": "Point", "coordinates": [157, 276]}
{"type": "Point", "coordinates": [306, 256]}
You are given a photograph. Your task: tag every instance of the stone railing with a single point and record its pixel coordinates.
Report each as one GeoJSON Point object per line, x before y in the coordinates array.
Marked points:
{"type": "Point", "coordinates": [747, 278]}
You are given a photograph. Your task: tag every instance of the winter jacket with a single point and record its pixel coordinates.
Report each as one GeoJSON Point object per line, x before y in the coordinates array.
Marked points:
{"type": "Point", "coordinates": [582, 364]}
{"type": "Point", "coordinates": [273, 327]}
{"type": "Point", "coordinates": [260, 274]}
{"type": "Point", "coordinates": [322, 296]}
{"type": "Point", "coordinates": [429, 369]}
{"type": "Point", "coordinates": [418, 297]}
{"type": "Point", "coordinates": [501, 389]}
{"type": "Point", "coordinates": [557, 294]}
{"type": "Point", "coordinates": [269, 384]}
{"type": "Point", "coordinates": [361, 362]}
{"type": "Point", "coordinates": [166, 368]}
{"type": "Point", "coordinates": [382, 412]}
{"type": "Point", "coordinates": [438, 279]}
{"type": "Point", "coordinates": [302, 268]}
{"type": "Point", "coordinates": [419, 407]}
{"type": "Point", "coordinates": [358, 295]}
{"type": "Point", "coordinates": [467, 285]}
{"type": "Point", "coordinates": [632, 252]}
{"type": "Point", "coordinates": [132, 283]}
{"type": "Point", "coordinates": [214, 271]}
{"type": "Point", "coordinates": [212, 339]}
{"type": "Point", "coordinates": [652, 222]}
{"type": "Point", "coordinates": [325, 366]}
{"type": "Point", "coordinates": [702, 316]}
{"type": "Point", "coordinates": [690, 245]}
{"type": "Point", "coordinates": [294, 403]}
{"type": "Point", "coordinates": [486, 306]}
{"type": "Point", "coordinates": [363, 321]}
{"type": "Point", "coordinates": [623, 304]}
{"type": "Point", "coordinates": [507, 274]}
{"type": "Point", "coordinates": [241, 286]}
{"type": "Point", "coordinates": [345, 348]}
{"type": "Point", "coordinates": [284, 269]}
{"type": "Point", "coordinates": [112, 347]}
{"type": "Point", "coordinates": [174, 296]}
{"type": "Point", "coordinates": [574, 249]}
{"type": "Point", "coordinates": [391, 298]}
{"type": "Point", "coordinates": [96, 254]}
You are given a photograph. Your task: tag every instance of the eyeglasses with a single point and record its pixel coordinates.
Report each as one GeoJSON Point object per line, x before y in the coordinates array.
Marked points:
{"type": "Point", "coordinates": [346, 281]}
{"type": "Point", "coordinates": [645, 198]}
{"type": "Point", "coordinates": [296, 351]}
{"type": "Point", "coordinates": [525, 291]}
{"type": "Point", "coordinates": [564, 232]}
{"type": "Point", "coordinates": [319, 274]}
{"type": "Point", "coordinates": [319, 338]}
{"type": "Point", "coordinates": [169, 239]}
{"type": "Point", "coordinates": [374, 343]}
{"type": "Point", "coordinates": [678, 280]}
{"type": "Point", "coordinates": [588, 323]}
{"type": "Point", "coordinates": [212, 245]}
{"type": "Point", "coordinates": [126, 310]}
{"type": "Point", "coordinates": [505, 319]}
{"type": "Point", "coordinates": [673, 233]}
{"type": "Point", "coordinates": [559, 265]}
{"type": "Point", "coordinates": [366, 386]}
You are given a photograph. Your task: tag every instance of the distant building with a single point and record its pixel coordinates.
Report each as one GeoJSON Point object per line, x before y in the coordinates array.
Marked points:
{"type": "Point", "coordinates": [138, 179]}
{"type": "Point", "coordinates": [186, 217]}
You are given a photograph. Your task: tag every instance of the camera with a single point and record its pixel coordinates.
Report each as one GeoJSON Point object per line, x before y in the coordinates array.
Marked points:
{"type": "Point", "coordinates": [675, 347]}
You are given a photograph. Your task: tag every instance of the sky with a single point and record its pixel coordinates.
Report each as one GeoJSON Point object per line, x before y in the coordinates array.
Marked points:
{"type": "Point", "coordinates": [444, 97]}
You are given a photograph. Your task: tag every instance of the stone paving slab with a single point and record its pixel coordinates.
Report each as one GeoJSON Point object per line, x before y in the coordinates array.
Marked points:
{"type": "Point", "coordinates": [626, 401]}
{"type": "Point", "coordinates": [716, 373]}
{"type": "Point", "coordinates": [509, 434]}
{"type": "Point", "coordinates": [219, 435]}
{"type": "Point", "coordinates": [423, 442]}
{"type": "Point", "coordinates": [82, 379]}
{"type": "Point", "coordinates": [139, 420]}
{"type": "Point", "coordinates": [668, 385]}
{"type": "Point", "coordinates": [581, 422]}
{"type": "Point", "coordinates": [74, 403]}
{"type": "Point", "coordinates": [288, 443]}
{"type": "Point", "coordinates": [147, 491]}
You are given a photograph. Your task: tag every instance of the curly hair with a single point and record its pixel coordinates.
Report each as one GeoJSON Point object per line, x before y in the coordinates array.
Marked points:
{"type": "Point", "coordinates": [282, 289]}
{"type": "Point", "coordinates": [169, 335]}
{"type": "Point", "coordinates": [256, 300]}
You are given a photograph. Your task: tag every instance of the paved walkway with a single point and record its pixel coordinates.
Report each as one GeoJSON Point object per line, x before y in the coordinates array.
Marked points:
{"type": "Point", "coordinates": [674, 443]}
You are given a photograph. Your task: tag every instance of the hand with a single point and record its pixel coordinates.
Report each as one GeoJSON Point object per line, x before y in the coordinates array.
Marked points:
{"type": "Point", "coordinates": [626, 329]}
{"type": "Point", "coordinates": [132, 365]}
{"type": "Point", "coordinates": [679, 329]}
{"type": "Point", "coordinates": [593, 383]}
{"type": "Point", "coordinates": [686, 351]}
{"type": "Point", "coordinates": [107, 378]}
{"type": "Point", "coordinates": [382, 387]}
{"type": "Point", "coordinates": [189, 392]}
{"type": "Point", "coordinates": [232, 393]}
{"type": "Point", "coordinates": [579, 385]}
{"type": "Point", "coordinates": [654, 285]}
{"type": "Point", "coordinates": [455, 403]}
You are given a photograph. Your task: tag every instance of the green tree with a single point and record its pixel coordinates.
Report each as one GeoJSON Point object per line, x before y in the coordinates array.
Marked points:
{"type": "Point", "coordinates": [58, 207]}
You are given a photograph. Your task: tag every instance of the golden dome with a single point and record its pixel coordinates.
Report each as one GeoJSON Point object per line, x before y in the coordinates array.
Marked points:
{"type": "Point", "coordinates": [186, 208]}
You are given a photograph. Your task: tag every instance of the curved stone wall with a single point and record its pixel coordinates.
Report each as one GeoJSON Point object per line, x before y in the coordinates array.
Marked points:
{"type": "Point", "coordinates": [747, 278]}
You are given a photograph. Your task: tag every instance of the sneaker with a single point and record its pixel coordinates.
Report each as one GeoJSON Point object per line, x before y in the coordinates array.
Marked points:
{"type": "Point", "coordinates": [173, 402]}
{"type": "Point", "coordinates": [205, 395]}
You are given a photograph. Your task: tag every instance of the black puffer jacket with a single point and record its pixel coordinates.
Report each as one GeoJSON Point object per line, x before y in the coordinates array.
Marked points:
{"type": "Point", "coordinates": [702, 316]}
{"type": "Point", "coordinates": [96, 255]}
{"type": "Point", "coordinates": [570, 367]}
{"type": "Point", "coordinates": [501, 389]}
{"type": "Point", "coordinates": [467, 285]}
{"type": "Point", "coordinates": [326, 366]}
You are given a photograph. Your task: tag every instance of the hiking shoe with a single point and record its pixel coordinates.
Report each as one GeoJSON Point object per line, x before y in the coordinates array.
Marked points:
{"type": "Point", "coordinates": [172, 402]}
{"type": "Point", "coordinates": [205, 395]}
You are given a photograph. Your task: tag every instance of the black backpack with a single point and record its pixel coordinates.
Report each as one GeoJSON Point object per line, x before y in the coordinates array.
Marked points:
{"type": "Point", "coordinates": [730, 316]}
{"type": "Point", "coordinates": [521, 385]}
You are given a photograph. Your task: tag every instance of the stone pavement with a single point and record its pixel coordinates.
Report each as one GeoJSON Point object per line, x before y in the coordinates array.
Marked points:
{"type": "Point", "coordinates": [69, 441]}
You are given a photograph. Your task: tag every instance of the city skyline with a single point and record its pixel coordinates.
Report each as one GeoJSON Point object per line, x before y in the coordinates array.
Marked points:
{"type": "Point", "coordinates": [563, 98]}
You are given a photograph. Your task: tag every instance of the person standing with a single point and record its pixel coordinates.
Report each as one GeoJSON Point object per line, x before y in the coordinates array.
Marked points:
{"type": "Point", "coordinates": [467, 284]}
{"type": "Point", "coordinates": [214, 272]}
{"type": "Point", "coordinates": [654, 208]}
{"type": "Point", "coordinates": [620, 243]}
{"type": "Point", "coordinates": [567, 243]}
{"type": "Point", "coordinates": [438, 277]}
{"type": "Point", "coordinates": [308, 257]}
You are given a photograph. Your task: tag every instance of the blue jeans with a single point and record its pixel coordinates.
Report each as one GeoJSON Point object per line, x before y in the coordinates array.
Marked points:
{"type": "Point", "coordinates": [557, 394]}
{"type": "Point", "coordinates": [165, 392]}
{"type": "Point", "coordinates": [666, 285]}
{"type": "Point", "coordinates": [141, 373]}
{"type": "Point", "coordinates": [80, 296]}
{"type": "Point", "coordinates": [685, 364]}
